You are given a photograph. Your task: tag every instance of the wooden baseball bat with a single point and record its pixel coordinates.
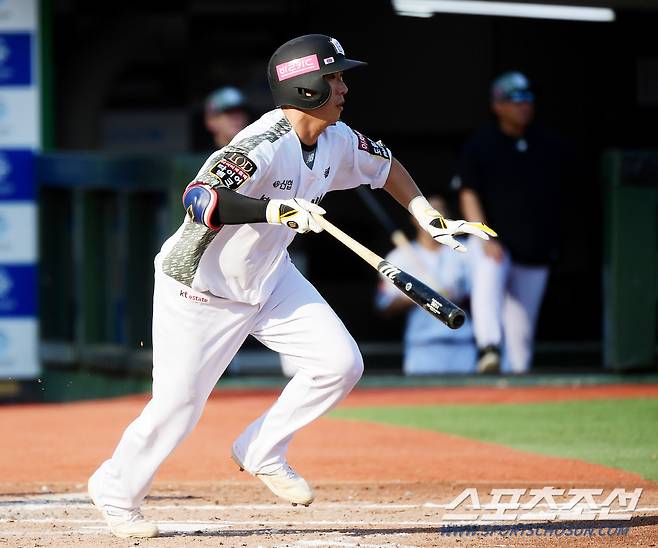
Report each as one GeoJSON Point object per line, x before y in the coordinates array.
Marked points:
{"type": "Point", "coordinates": [436, 304]}
{"type": "Point", "coordinates": [398, 237]}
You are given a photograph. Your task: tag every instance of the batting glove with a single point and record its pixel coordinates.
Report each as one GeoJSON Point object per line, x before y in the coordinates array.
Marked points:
{"type": "Point", "coordinates": [444, 230]}
{"type": "Point", "coordinates": [295, 214]}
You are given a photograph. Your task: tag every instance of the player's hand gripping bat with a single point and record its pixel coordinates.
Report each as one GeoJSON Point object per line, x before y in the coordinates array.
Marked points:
{"type": "Point", "coordinates": [428, 299]}
{"type": "Point", "coordinates": [398, 237]}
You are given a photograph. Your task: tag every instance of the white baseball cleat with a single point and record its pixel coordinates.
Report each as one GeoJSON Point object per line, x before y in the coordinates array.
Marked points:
{"type": "Point", "coordinates": [122, 522]}
{"type": "Point", "coordinates": [284, 482]}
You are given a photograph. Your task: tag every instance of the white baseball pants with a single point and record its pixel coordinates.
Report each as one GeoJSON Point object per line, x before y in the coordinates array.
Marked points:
{"type": "Point", "coordinates": [505, 303]}
{"type": "Point", "coordinates": [195, 336]}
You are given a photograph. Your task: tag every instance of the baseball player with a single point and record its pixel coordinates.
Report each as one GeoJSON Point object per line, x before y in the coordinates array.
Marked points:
{"type": "Point", "coordinates": [226, 274]}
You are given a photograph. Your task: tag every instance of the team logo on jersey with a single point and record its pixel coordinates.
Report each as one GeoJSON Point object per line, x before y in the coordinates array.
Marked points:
{"type": "Point", "coordinates": [286, 184]}
{"type": "Point", "coordinates": [371, 147]}
{"type": "Point", "coordinates": [326, 172]}
{"type": "Point", "coordinates": [233, 170]}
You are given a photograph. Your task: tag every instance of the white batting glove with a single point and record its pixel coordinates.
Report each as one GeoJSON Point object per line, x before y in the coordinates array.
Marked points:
{"type": "Point", "coordinates": [295, 214]}
{"type": "Point", "coordinates": [444, 230]}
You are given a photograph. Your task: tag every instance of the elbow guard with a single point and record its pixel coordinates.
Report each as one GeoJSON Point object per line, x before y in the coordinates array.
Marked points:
{"type": "Point", "coordinates": [200, 202]}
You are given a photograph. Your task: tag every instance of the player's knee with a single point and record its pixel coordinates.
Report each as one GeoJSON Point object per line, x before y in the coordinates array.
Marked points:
{"type": "Point", "coordinates": [357, 368]}
{"type": "Point", "coordinates": [349, 363]}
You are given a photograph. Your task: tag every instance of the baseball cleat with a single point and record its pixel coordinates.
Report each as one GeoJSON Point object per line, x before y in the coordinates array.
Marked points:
{"type": "Point", "coordinates": [288, 484]}
{"type": "Point", "coordinates": [284, 482]}
{"type": "Point", "coordinates": [123, 523]}
{"type": "Point", "coordinates": [489, 360]}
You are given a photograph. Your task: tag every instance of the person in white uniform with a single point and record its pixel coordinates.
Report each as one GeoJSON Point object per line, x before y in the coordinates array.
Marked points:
{"type": "Point", "coordinates": [226, 274]}
{"type": "Point", "coordinates": [430, 347]}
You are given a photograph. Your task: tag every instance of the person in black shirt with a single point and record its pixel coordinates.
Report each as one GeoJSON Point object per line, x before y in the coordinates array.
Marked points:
{"type": "Point", "coordinates": [509, 177]}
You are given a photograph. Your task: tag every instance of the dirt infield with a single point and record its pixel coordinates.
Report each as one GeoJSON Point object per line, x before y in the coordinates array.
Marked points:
{"type": "Point", "coordinates": [377, 485]}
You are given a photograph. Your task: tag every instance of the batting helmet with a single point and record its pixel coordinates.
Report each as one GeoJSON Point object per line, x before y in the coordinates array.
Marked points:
{"type": "Point", "coordinates": [296, 70]}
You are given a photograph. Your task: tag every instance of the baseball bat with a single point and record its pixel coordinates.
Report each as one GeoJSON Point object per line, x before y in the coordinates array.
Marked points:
{"type": "Point", "coordinates": [397, 235]}
{"type": "Point", "coordinates": [428, 299]}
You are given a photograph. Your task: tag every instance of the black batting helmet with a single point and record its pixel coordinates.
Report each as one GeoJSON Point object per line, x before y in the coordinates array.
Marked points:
{"type": "Point", "coordinates": [296, 69]}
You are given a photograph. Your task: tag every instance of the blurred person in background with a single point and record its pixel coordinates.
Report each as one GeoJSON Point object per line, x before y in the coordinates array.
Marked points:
{"type": "Point", "coordinates": [509, 176]}
{"type": "Point", "coordinates": [226, 114]}
{"type": "Point", "coordinates": [430, 347]}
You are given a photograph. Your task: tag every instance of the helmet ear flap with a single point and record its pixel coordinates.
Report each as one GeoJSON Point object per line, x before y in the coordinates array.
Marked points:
{"type": "Point", "coordinates": [322, 96]}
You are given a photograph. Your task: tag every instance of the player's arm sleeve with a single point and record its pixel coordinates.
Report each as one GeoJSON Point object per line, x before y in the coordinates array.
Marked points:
{"type": "Point", "coordinates": [217, 206]}
{"type": "Point", "coordinates": [364, 162]}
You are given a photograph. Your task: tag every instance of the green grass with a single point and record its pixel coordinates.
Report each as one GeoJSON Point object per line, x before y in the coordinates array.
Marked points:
{"type": "Point", "coordinates": [618, 433]}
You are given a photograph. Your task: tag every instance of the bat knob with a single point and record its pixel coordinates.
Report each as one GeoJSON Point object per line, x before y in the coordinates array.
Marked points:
{"type": "Point", "coordinates": [456, 319]}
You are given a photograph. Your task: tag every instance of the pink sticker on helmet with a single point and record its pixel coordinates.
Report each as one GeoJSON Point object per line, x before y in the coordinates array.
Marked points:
{"type": "Point", "coordinates": [297, 67]}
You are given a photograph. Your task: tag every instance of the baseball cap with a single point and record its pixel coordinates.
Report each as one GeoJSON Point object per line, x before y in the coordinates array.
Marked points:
{"type": "Point", "coordinates": [224, 99]}
{"type": "Point", "coordinates": [512, 86]}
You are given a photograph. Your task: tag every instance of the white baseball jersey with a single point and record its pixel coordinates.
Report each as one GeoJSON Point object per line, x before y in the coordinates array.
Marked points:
{"type": "Point", "coordinates": [244, 262]}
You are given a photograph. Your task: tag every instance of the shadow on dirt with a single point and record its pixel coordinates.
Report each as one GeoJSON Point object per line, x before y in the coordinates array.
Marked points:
{"type": "Point", "coordinates": [549, 529]}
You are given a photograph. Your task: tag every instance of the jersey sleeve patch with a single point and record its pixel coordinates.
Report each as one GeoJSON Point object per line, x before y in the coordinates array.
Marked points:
{"type": "Point", "coordinates": [233, 170]}
{"type": "Point", "coordinates": [371, 147]}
